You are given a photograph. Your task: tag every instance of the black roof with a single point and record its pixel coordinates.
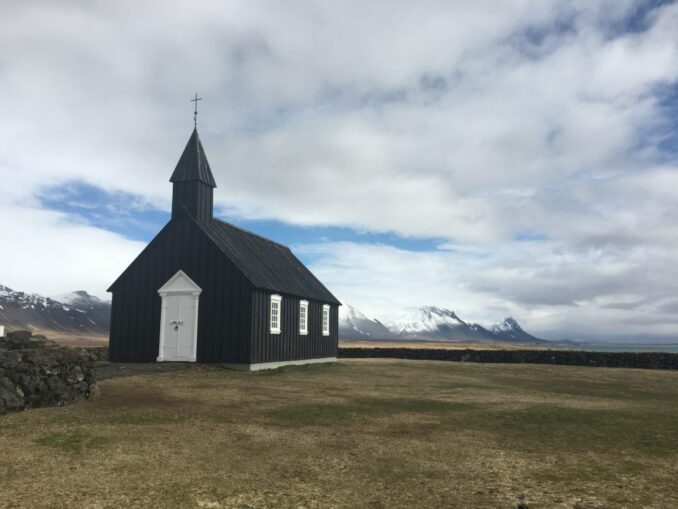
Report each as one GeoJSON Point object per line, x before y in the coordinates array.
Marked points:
{"type": "Point", "coordinates": [193, 163]}
{"type": "Point", "coordinates": [267, 264]}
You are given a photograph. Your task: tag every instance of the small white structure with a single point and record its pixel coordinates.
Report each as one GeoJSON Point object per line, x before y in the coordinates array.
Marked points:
{"type": "Point", "coordinates": [179, 319]}
{"type": "Point", "coordinates": [2, 330]}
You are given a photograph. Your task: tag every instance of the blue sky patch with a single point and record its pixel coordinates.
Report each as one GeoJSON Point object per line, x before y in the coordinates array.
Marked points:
{"type": "Point", "coordinates": [122, 213]}
{"type": "Point", "coordinates": [128, 215]}
{"type": "Point", "coordinates": [291, 235]}
{"type": "Point", "coordinates": [640, 20]}
{"type": "Point", "coordinates": [669, 109]}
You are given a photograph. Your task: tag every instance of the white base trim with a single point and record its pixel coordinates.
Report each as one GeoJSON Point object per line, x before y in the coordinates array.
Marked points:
{"type": "Point", "coordinates": [178, 359]}
{"type": "Point", "coordinates": [275, 365]}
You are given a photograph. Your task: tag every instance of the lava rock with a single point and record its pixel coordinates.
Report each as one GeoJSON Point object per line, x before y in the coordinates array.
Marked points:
{"type": "Point", "coordinates": [24, 340]}
{"type": "Point", "coordinates": [43, 377]}
{"type": "Point", "coordinates": [9, 397]}
{"type": "Point", "coordinates": [76, 375]}
{"type": "Point", "coordinates": [19, 335]}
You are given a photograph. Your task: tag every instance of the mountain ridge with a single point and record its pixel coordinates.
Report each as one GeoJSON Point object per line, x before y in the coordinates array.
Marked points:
{"type": "Point", "coordinates": [82, 313]}
{"type": "Point", "coordinates": [430, 323]}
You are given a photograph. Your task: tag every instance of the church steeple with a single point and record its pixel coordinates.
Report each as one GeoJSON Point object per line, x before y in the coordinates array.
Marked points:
{"type": "Point", "coordinates": [193, 183]}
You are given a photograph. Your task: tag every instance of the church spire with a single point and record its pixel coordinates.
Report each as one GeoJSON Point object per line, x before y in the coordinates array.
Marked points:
{"type": "Point", "coordinates": [193, 183]}
{"type": "Point", "coordinates": [193, 164]}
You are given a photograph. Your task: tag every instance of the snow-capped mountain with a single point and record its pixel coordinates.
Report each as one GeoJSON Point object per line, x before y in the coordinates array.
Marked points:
{"type": "Point", "coordinates": [97, 310]}
{"type": "Point", "coordinates": [355, 325]}
{"type": "Point", "coordinates": [429, 322]}
{"type": "Point", "coordinates": [80, 312]}
{"type": "Point", "coordinates": [510, 330]}
{"type": "Point", "coordinates": [85, 313]}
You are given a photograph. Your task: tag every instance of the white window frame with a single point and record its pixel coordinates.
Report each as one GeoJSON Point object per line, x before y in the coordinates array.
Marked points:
{"type": "Point", "coordinates": [275, 299]}
{"type": "Point", "coordinates": [326, 322]}
{"type": "Point", "coordinates": [303, 326]}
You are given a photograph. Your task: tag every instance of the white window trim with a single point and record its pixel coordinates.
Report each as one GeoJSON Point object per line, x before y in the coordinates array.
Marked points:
{"type": "Point", "coordinates": [303, 304]}
{"type": "Point", "coordinates": [326, 309]}
{"type": "Point", "coordinates": [275, 299]}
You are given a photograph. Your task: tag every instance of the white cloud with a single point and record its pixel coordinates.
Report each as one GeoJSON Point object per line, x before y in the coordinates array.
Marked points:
{"type": "Point", "coordinates": [46, 251]}
{"type": "Point", "coordinates": [556, 292]}
{"type": "Point", "coordinates": [475, 122]}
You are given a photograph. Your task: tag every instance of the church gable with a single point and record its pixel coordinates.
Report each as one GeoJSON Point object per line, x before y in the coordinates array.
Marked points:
{"type": "Point", "coordinates": [145, 253]}
{"type": "Point", "coordinates": [179, 283]}
{"type": "Point", "coordinates": [181, 244]}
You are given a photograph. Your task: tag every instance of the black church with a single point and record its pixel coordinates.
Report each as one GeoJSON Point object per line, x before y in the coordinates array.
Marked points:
{"type": "Point", "coordinates": [205, 290]}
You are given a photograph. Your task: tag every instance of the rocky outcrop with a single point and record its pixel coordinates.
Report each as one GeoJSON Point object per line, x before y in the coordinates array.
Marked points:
{"type": "Point", "coordinates": [45, 377]}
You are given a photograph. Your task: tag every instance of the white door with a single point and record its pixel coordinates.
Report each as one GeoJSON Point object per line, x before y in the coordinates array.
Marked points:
{"type": "Point", "coordinates": [179, 328]}
{"type": "Point", "coordinates": [179, 319]}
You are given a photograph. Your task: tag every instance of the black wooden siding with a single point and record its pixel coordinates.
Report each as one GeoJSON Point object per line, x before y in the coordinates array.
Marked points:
{"type": "Point", "coordinates": [289, 344]}
{"type": "Point", "coordinates": [233, 316]}
{"type": "Point", "coordinates": [224, 305]}
{"type": "Point", "coordinates": [195, 197]}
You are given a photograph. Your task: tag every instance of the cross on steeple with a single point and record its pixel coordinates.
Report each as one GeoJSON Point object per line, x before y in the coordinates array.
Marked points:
{"type": "Point", "coordinates": [195, 111]}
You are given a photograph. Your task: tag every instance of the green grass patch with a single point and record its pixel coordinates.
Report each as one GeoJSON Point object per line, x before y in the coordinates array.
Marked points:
{"type": "Point", "coordinates": [75, 442]}
{"type": "Point", "coordinates": [361, 409]}
{"type": "Point", "coordinates": [548, 427]}
{"type": "Point", "coordinates": [143, 419]}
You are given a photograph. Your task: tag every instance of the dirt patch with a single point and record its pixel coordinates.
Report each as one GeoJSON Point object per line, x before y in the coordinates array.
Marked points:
{"type": "Point", "coordinates": [106, 370]}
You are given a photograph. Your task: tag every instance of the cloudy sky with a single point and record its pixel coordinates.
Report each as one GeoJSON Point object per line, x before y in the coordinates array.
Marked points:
{"type": "Point", "coordinates": [494, 157]}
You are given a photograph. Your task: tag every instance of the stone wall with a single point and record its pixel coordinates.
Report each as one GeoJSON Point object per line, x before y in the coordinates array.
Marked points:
{"type": "Point", "coordinates": [45, 377]}
{"type": "Point", "coordinates": [98, 353]}
{"type": "Point", "coordinates": [25, 339]}
{"type": "Point", "coordinates": [643, 360]}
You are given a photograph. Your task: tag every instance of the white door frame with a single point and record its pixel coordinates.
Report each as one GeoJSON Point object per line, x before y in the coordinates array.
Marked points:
{"type": "Point", "coordinates": [179, 284]}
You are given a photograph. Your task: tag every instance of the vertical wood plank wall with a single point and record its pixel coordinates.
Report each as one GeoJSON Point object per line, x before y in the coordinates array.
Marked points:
{"type": "Point", "coordinates": [224, 306]}
{"type": "Point", "coordinates": [289, 344]}
{"type": "Point", "coordinates": [195, 196]}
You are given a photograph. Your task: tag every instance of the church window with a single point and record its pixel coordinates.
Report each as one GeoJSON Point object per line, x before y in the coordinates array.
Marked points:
{"type": "Point", "coordinates": [276, 301]}
{"type": "Point", "coordinates": [326, 320]}
{"type": "Point", "coordinates": [303, 317]}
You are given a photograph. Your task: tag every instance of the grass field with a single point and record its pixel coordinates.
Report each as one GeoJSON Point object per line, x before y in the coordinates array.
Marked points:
{"type": "Point", "coordinates": [375, 433]}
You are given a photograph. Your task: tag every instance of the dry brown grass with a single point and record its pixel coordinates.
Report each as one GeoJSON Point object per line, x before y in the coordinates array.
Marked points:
{"type": "Point", "coordinates": [74, 339]}
{"type": "Point", "coordinates": [362, 433]}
